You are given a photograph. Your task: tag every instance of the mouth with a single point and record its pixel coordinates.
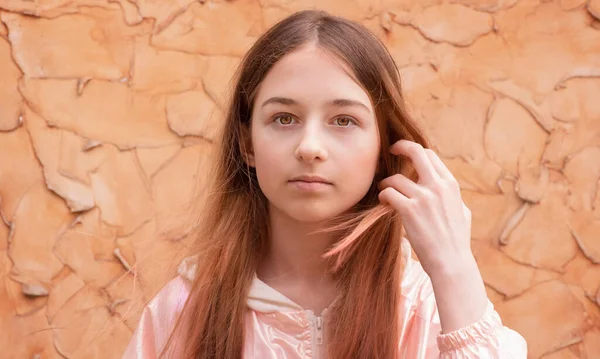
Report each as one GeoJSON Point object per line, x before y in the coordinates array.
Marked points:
{"type": "Point", "coordinates": [310, 183]}
{"type": "Point", "coordinates": [310, 179]}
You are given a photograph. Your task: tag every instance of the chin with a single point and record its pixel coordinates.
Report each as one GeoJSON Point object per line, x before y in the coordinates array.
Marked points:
{"type": "Point", "coordinates": [314, 214]}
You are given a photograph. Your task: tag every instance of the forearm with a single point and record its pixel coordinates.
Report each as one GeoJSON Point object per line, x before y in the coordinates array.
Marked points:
{"type": "Point", "coordinates": [460, 294]}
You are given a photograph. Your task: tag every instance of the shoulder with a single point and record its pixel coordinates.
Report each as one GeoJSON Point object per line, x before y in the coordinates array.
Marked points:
{"type": "Point", "coordinates": [169, 301]}
{"type": "Point", "coordinates": [171, 298]}
{"type": "Point", "coordinates": [158, 319]}
{"type": "Point", "coordinates": [176, 291]}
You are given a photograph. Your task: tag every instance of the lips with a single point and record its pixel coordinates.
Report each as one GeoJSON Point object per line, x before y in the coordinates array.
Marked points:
{"type": "Point", "coordinates": [310, 179]}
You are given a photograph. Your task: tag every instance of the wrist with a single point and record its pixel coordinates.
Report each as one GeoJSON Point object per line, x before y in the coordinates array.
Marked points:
{"type": "Point", "coordinates": [459, 267]}
{"type": "Point", "coordinates": [459, 292]}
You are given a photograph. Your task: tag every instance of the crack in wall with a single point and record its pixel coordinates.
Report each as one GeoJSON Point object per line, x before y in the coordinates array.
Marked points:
{"type": "Point", "coordinates": [118, 275]}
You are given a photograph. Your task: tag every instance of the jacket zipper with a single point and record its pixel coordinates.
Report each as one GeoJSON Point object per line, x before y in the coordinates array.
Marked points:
{"type": "Point", "coordinates": [319, 326]}
{"type": "Point", "coordinates": [318, 336]}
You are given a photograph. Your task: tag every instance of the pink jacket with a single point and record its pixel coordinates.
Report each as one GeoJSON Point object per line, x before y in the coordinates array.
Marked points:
{"type": "Point", "coordinates": [279, 328]}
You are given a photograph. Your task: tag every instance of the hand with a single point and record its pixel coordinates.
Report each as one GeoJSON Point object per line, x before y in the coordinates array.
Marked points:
{"type": "Point", "coordinates": [436, 221]}
{"type": "Point", "coordinates": [438, 227]}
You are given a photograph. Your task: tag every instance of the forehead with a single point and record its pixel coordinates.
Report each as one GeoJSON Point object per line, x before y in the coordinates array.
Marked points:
{"type": "Point", "coordinates": [312, 73]}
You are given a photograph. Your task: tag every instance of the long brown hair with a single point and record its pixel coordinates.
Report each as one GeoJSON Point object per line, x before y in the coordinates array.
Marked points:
{"type": "Point", "coordinates": [232, 234]}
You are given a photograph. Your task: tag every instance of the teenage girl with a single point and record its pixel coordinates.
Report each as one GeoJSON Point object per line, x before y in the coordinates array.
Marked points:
{"type": "Point", "coordinates": [323, 184]}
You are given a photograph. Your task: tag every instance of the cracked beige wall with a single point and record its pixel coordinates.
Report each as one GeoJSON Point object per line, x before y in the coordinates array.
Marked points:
{"type": "Point", "coordinates": [107, 116]}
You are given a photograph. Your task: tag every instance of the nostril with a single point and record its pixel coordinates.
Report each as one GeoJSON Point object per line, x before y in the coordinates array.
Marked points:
{"type": "Point", "coordinates": [311, 153]}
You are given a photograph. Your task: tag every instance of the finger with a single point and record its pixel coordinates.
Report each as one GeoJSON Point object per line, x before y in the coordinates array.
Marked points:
{"type": "Point", "coordinates": [439, 165]}
{"type": "Point", "coordinates": [395, 199]}
{"type": "Point", "coordinates": [419, 158]}
{"type": "Point", "coordinates": [401, 184]}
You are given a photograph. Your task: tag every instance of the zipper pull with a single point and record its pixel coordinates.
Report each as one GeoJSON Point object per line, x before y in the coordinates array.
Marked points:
{"type": "Point", "coordinates": [319, 325]}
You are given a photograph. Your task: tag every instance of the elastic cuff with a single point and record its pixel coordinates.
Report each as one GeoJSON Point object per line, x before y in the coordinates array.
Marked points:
{"type": "Point", "coordinates": [474, 333]}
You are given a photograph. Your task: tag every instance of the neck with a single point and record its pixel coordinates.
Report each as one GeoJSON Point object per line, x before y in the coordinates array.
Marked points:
{"type": "Point", "coordinates": [294, 252]}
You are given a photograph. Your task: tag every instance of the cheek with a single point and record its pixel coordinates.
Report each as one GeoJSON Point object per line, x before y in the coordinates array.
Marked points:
{"type": "Point", "coordinates": [267, 151]}
{"type": "Point", "coordinates": [366, 152]}
{"type": "Point", "coordinates": [268, 163]}
{"type": "Point", "coordinates": [359, 163]}
{"type": "Point", "coordinates": [361, 167]}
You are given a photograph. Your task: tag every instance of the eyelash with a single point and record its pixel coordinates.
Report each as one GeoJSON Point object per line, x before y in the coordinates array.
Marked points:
{"type": "Point", "coordinates": [351, 120]}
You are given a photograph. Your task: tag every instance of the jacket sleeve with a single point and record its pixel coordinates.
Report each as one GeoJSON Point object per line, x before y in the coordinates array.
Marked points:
{"type": "Point", "coordinates": [421, 335]}
{"type": "Point", "coordinates": [486, 338]}
{"type": "Point", "coordinates": [157, 321]}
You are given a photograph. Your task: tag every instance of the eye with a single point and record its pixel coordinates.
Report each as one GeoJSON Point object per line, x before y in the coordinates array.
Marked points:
{"type": "Point", "coordinates": [344, 121]}
{"type": "Point", "coordinates": [284, 119]}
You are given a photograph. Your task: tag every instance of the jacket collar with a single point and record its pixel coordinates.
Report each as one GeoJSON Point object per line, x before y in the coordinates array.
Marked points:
{"type": "Point", "coordinates": [262, 297]}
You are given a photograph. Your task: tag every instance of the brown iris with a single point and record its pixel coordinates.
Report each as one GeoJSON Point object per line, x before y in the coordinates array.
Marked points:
{"type": "Point", "coordinates": [285, 120]}
{"type": "Point", "coordinates": [343, 121]}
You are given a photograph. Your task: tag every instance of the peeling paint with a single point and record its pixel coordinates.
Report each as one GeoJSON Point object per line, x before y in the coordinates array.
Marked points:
{"type": "Point", "coordinates": [110, 108]}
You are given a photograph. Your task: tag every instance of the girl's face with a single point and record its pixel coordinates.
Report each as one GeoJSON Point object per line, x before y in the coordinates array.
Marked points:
{"type": "Point", "coordinates": [314, 137]}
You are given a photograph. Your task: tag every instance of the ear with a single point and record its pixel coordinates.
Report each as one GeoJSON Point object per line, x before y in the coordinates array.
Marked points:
{"type": "Point", "coordinates": [246, 148]}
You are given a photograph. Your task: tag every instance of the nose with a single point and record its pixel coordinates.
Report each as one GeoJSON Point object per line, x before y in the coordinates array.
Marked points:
{"type": "Point", "coordinates": [311, 146]}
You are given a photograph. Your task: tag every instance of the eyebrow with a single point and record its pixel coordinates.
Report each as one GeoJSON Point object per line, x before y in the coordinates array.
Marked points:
{"type": "Point", "coordinates": [340, 102]}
